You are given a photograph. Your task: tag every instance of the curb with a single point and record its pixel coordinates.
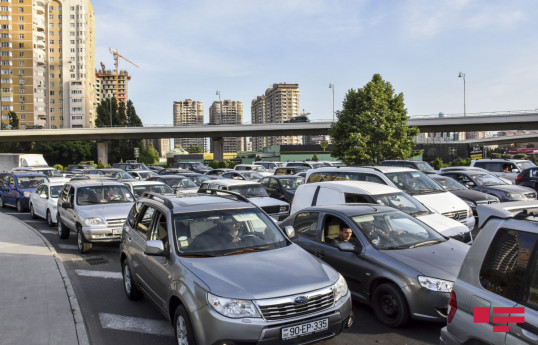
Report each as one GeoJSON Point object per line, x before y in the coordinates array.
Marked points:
{"type": "Point", "coordinates": [78, 319]}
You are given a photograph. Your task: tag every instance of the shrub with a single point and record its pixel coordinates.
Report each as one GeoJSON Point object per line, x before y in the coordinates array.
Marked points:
{"type": "Point", "coordinates": [494, 155]}
{"type": "Point", "coordinates": [58, 167]}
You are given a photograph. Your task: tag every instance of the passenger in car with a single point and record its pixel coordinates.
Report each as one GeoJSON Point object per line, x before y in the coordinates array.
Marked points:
{"type": "Point", "coordinates": [345, 235]}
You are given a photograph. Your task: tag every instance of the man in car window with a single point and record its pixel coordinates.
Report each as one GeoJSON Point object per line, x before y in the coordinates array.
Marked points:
{"type": "Point", "coordinates": [344, 235]}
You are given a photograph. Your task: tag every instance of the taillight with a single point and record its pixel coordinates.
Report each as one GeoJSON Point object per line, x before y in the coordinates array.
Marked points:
{"type": "Point", "coordinates": [518, 178]}
{"type": "Point", "coordinates": [453, 306]}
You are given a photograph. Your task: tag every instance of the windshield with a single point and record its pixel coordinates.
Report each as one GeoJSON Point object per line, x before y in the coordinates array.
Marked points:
{"type": "Point", "coordinates": [396, 230]}
{"type": "Point", "coordinates": [50, 172]}
{"type": "Point", "coordinates": [198, 179]}
{"type": "Point", "coordinates": [424, 166]}
{"type": "Point", "coordinates": [93, 172]}
{"type": "Point", "coordinates": [450, 183]}
{"type": "Point", "coordinates": [182, 182]}
{"type": "Point", "coordinates": [146, 174]}
{"type": "Point", "coordinates": [320, 165]}
{"type": "Point", "coordinates": [250, 190]}
{"type": "Point", "coordinates": [258, 168]}
{"type": "Point", "coordinates": [55, 191]}
{"type": "Point", "coordinates": [291, 183]}
{"type": "Point", "coordinates": [525, 165]}
{"type": "Point", "coordinates": [487, 180]}
{"type": "Point", "coordinates": [414, 182]}
{"type": "Point", "coordinates": [403, 202]}
{"type": "Point", "coordinates": [154, 188]}
{"type": "Point", "coordinates": [198, 165]}
{"type": "Point", "coordinates": [119, 175]}
{"type": "Point", "coordinates": [103, 195]}
{"type": "Point", "coordinates": [26, 182]}
{"type": "Point", "coordinates": [226, 232]}
{"type": "Point", "coordinates": [252, 175]}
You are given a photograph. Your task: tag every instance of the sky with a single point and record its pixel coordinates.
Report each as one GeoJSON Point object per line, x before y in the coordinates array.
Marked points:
{"type": "Point", "coordinates": [189, 49]}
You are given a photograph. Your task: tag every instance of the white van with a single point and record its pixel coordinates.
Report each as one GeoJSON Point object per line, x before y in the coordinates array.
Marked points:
{"type": "Point", "coordinates": [411, 181]}
{"type": "Point", "coordinates": [342, 192]}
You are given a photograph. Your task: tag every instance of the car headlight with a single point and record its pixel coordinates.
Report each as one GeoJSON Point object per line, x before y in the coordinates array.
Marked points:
{"type": "Point", "coordinates": [284, 208]}
{"type": "Point", "coordinates": [514, 195]}
{"type": "Point", "coordinates": [94, 221]}
{"type": "Point", "coordinates": [470, 212]}
{"type": "Point", "coordinates": [27, 194]}
{"type": "Point", "coordinates": [435, 284]}
{"type": "Point", "coordinates": [340, 288]}
{"type": "Point", "coordinates": [235, 308]}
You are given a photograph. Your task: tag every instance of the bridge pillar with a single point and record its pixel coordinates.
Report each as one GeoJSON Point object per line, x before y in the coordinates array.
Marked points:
{"type": "Point", "coordinates": [102, 152]}
{"type": "Point", "coordinates": [218, 149]}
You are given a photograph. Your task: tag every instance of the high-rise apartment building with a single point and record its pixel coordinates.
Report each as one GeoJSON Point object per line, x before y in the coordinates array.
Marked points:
{"type": "Point", "coordinates": [189, 113]}
{"type": "Point", "coordinates": [47, 62]}
{"type": "Point", "coordinates": [106, 85]}
{"type": "Point", "coordinates": [280, 103]}
{"type": "Point", "coordinates": [227, 113]}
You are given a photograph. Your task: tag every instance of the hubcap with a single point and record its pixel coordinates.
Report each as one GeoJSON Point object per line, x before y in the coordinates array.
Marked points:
{"type": "Point", "coordinates": [389, 305]}
{"type": "Point", "coordinates": [127, 278]}
{"type": "Point", "coordinates": [181, 330]}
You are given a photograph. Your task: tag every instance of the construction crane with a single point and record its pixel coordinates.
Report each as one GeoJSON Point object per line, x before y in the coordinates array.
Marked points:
{"type": "Point", "coordinates": [116, 62]}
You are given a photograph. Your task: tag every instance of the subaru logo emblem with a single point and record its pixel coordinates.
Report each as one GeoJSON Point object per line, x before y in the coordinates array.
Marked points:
{"type": "Point", "coordinates": [300, 300]}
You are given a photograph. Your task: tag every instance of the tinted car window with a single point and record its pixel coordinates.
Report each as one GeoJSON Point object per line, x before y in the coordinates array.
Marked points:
{"type": "Point", "coordinates": [506, 261]}
{"type": "Point", "coordinates": [530, 298]}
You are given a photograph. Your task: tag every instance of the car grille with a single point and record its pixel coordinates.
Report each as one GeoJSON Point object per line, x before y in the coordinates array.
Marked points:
{"type": "Point", "coordinates": [285, 308]}
{"type": "Point", "coordinates": [271, 209]}
{"type": "Point", "coordinates": [116, 223]}
{"type": "Point", "coordinates": [464, 237]}
{"type": "Point", "coordinates": [530, 195]}
{"type": "Point", "coordinates": [456, 215]}
{"type": "Point", "coordinates": [483, 202]}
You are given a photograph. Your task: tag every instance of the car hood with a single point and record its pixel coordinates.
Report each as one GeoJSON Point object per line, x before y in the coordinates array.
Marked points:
{"type": "Point", "coordinates": [442, 260]}
{"type": "Point", "coordinates": [472, 195]}
{"type": "Point", "coordinates": [446, 226]}
{"type": "Point", "coordinates": [510, 188]}
{"type": "Point", "coordinates": [267, 274]}
{"type": "Point", "coordinates": [442, 202]}
{"type": "Point", "coordinates": [105, 211]}
{"type": "Point", "coordinates": [267, 201]}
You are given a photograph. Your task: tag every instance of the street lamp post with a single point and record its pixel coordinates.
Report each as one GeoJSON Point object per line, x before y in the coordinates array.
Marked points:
{"type": "Point", "coordinates": [331, 86]}
{"type": "Point", "coordinates": [462, 75]}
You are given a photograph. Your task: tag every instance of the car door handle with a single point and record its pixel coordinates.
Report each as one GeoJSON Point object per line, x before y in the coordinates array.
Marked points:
{"type": "Point", "coordinates": [529, 330]}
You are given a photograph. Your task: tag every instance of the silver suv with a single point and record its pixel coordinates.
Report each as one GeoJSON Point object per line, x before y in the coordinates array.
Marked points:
{"type": "Point", "coordinates": [223, 272]}
{"type": "Point", "coordinates": [495, 297]}
{"type": "Point", "coordinates": [95, 209]}
{"type": "Point", "coordinates": [505, 168]}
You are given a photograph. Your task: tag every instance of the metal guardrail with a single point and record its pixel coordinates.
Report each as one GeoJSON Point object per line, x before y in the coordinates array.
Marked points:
{"type": "Point", "coordinates": [483, 113]}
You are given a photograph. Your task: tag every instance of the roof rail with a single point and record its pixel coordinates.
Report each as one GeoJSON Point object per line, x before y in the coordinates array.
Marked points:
{"type": "Point", "coordinates": [215, 191]}
{"type": "Point", "coordinates": [153, 196]}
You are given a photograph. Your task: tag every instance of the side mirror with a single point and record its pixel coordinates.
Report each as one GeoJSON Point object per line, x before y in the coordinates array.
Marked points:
{"type": "Point", "coordinates": [469, 184]}
{"type": "Point", "coordinates": [43, 196]}
{"type": "Point", "coordinates": [346, 247]}
{"type": "Point", "coordinates": [290, 232]}
{"type": "Point", "coordinates": [66, 204]}
{"type": "Point", "coordinates": [515, 170]}
{"type": "Point", "coordinates": [154, 247]}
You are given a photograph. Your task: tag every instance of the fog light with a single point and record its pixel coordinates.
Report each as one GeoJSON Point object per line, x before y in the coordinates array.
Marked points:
{"type": "Point", "coordinates": [350, 320]}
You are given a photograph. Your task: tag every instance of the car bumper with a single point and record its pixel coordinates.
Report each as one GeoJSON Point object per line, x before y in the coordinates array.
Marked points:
{"type": "Point", "coordinates": [226, 330]}
{"type": "Point", "coordinates": [447, 339]}
{"type": "Point", "coordinates": [427, 305]}
{"type": "Point", "coordinates": [102, 234]}
{"type": "Point", "coordinates": [469, 222]}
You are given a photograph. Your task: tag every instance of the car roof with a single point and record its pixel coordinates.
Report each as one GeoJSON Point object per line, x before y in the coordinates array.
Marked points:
{"type": "Point", "coordinates": [280, 177]}
{"type": "Point", "coordinates": [187, 203]}
{"type": "Point", "coordinates": [26, 173]}
{"type": "Point", "coordinates": [96, 182]}
{"type": "Point", "coordinates": [507, 210]}
{"type": "Point", "coordinates": [53, 183]}
{"type": "Point", "coordinates": [226, 182]}
{"type": "Point", "coordinates": [500, 160]}
{"type": "Point", "coordinates": [372, 188]}
{"type": "Point", "coordinates": [144, 182]}
{"type": "Point", "coordinates": [171, 176]}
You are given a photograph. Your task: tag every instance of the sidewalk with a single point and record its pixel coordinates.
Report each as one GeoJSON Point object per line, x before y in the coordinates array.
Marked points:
{"type": "Point", "coordinates": [37, 302]}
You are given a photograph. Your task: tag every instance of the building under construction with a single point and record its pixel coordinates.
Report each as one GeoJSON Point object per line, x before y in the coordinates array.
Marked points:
{"type": "Point", "coordinates": [106, 85]}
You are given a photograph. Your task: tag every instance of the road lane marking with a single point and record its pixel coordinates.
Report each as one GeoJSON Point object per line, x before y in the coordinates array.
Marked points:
{"type": "Point", "coordinates": [99, 274]}
{"type": "Point", "coordinates": [135, 324]}
{"type": "Point", "coordinates": [49, 232]}
{"type": "Point", "coordinates": [68, 246]}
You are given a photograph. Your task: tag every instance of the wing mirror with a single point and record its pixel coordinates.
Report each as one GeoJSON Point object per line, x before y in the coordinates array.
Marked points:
{"type": "Point", "coordinates": [66, 204]}
{"type": "Point", "coordinates": [154, 247]}
{"type": "Point", "coordinates": [290, 232]}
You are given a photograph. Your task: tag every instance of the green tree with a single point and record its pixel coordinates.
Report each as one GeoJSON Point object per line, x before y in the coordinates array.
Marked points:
{"type": "Point", "coordinates": [315, 157]}
{"type": "Point", "coordinates": [372, 125]}
{"type": "Point", "coordinates": [258, 158]}
{"type": "Point", "coordinates": [195, 149]}
{"type": "Point", "coordinates": [324, 144]}
{"type": "Point", "coordinates": [149, 156]}
{"type": "Point", "coordinates": [13, 120]}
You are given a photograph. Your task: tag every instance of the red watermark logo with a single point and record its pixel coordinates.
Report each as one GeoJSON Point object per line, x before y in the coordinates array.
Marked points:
{"type": "Point", "coordinates": [481, 315]}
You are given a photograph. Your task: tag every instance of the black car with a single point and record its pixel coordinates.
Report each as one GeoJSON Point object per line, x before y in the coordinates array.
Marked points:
{"type": "Point", "coordinates": [180, 184]}
{"type": "Point", "coordinates": [298, 119]}
{"type": "Point", "coordinates": [282, 186]}
{"type": "Point", "coordinates": [192, 166]}
{"type": "Point", "coordinates": [528, 178]}
{"type": "Point", "coordinates": [173, 171]}
{"type": "Point", "coordinates": [471, 197]}
{"type": "Point", "coordinates": [491, 184]}
{"type": "Point", "coordinates": [196, 177]}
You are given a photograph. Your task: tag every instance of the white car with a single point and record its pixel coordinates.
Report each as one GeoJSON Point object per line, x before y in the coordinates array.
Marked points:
{"type": "Point", "coordinates": [139, 187]}
{"type": "Point", "coordinates": [343, 192]}
{"type": "Point", "coordinates": [254, 192]}
{"type": "Point", "coordinates": [253, 167]}
{"type": "Point", "coordinates": [44, 200]}
{"type": "Point", "coordinates": [142, 174]}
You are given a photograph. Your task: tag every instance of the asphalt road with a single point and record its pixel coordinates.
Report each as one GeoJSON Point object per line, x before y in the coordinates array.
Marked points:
{"type": "Point", "coordinates": [112, 319]}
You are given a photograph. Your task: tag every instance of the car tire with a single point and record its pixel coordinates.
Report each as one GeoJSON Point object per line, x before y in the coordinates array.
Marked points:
{"type": "Point", "coordinates": [2, 203]}
{"type": "Point", "coordinates": [390, 306]}
{"type": "Point", "coordinates": [131, 290]}
{"type": "Point", "coordinates": [83, 245]}
{"type": "Point", "coordinates": [183, 327]}
{"type": "Point", "coordinates": [32, 212]}
{"type": "Point", "coordinates": [63, 231]}
{"type": "Point", "coordinates": [50, 222]}
{"type": "Point", "coordinates": [20, 208]}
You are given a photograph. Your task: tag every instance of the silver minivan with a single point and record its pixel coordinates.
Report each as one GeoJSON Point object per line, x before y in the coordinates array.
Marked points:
{"type": "Point", "coordinates": [495, 297]}
{"type": "Point", "coordinates": [223, 273]}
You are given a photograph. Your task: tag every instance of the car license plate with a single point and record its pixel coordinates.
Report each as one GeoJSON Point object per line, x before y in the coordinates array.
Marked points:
{"type": "Point", "coordinates": [116, 231]}
{"type": "Point", "coordinates": [305, 329]}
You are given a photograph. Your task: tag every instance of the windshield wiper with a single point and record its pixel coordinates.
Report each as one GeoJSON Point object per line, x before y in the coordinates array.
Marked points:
{"type": "Point", "coordinates": [428, 190]}
{"type": "Point", "coordinates": [424, 243]}
{"type": "Point", "coordinates": [246, 250]}
{"type": "Point", "coordinates": [199, 254]}
{"type": "Point", "coordinates": [419, 213]}
{"type": "Point", "coordinates": [394, 247]}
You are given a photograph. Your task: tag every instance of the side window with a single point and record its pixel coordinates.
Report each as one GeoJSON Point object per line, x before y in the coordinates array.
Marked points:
{"type": "Point", "coordinates": [373, 178]}
{"type": "Point", "coordinates": [71, 195]}
{"type": "Point", "coordinates": [530, 296]}
{"type": "Point", "coordinates": [328, 196]}
{"type": "Point", "coordinates": [159, 230]}
{"type": "Point", "coordinates": [273, 184]}
{"type": "Point", "coordinates": [144, 220]}
{"type": "Point", "coordinates": [331, 230]}
{"type": "Point", "coordinates": [64, 193]}
{"type": "Point", "coordinates": [351, 198]}
{"type": "Point", "coordinates": [305, 224]}
{"type": "Point", "coordinates": [505, 265]}
{"type": "Point", "coordinates": [131, 217]}
{"type": "Point", "coordinates": [11, 182]}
